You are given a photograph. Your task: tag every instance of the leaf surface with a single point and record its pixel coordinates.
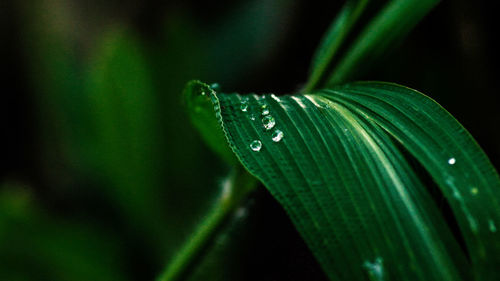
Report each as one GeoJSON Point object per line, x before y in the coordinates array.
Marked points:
{"type": "Point", "coordinates": [337, 162]}
{"type": "Point", "coordinates": [447, 151]}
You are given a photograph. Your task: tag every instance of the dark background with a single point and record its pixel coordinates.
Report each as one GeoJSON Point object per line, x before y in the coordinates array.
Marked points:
{"type": "Point", "coordinates": [102, 175]}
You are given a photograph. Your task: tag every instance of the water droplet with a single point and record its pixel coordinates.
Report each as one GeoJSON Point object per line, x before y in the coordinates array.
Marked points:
{"type": "Point", "coordinates": [375, 269]}
{"type": "Point", "coordinates": [244, 107]}
{"type": "Point", "coordinates": [252, 117]}
{"type": "Point", "coordinates": [265, 110]}
{"type": "Point", "coordinates": [203, 93]}
{"type": "Point", "coordinates": [256, 145]}
{"type": "Point", "coordinates": [268, 122]}
{"type": "Point", "coordinates": [452, 161]}
{"type": "Point", "coordinates": [277, 135]}
{"type": "Point", "coordinates": [215, 86]}
{"type": "Point", "coordinates": [474, 191]}
{"type": "Point", "coordinates": [492, 226]}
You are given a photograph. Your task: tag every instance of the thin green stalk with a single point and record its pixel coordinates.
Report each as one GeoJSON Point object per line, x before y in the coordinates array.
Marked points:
{"type": "Point", "coordinates": [392, 23]}
{"type": "Point", "coordinates": [333, 39]}
{"type": "Point", "coordinates": [235, 189]}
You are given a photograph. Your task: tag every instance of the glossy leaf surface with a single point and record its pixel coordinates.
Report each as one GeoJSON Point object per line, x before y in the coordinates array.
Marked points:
{"type": "Point", "coordinates": [340, 162]}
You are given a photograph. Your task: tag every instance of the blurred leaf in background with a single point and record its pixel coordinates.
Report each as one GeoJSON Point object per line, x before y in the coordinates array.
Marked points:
{"type": "Point", "coordinates": [104, 175]}
{"type": "Point", "coordinates": [116, 149]}
{"type": "Point", "coordinates": [36, 246]}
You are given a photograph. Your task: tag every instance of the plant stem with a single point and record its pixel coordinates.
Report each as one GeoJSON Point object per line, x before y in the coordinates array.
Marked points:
{"type": "Point", "coordinates": [235, 189]}
{"type": "Point", "coordinates": [391, 24]}
{"type": "Point", "coordinates": [332, 41]}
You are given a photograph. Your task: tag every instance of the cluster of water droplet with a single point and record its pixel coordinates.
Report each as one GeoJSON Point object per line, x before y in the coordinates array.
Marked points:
{"type": "Point", "coordinates": [268, 121]}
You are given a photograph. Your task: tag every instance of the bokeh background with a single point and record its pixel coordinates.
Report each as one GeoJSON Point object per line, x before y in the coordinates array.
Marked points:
{"type": "Point", "coordinates": [102, 175]}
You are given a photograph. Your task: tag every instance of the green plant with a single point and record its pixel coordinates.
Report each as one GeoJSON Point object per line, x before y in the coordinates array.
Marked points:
{"type": "Point", "coordinates": [349, 162]}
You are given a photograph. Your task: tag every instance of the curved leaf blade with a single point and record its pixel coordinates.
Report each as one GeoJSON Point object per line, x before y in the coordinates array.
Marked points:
{"type": "Point", "coordinates": [391, 24]}
{"type": "Point", "coordinates": [333, 39]}
{"type": "Point", "coordinates": [198, 103]}
{"type": "Point", "coordinates": [447, 151]}
{"type": "Point", "coordinates": [346, 186]}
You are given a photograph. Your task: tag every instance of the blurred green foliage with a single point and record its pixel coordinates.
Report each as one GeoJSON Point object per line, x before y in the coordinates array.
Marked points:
{"type": "Point", "coordinates": [105, 175]}
{"type": "Point", "coordinates": [113, 130]}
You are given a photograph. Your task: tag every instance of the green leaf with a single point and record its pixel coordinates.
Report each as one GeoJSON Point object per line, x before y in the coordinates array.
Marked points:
{"type": "Point", "coordinates": [197, 98]}
{"type": "Point", "coordinates": [235, 189]}
{"type": "Point", "coordinates": [258, 242]}
{"type": "Point", "coordinates": [36, 245]}
{"type": "Point", "coordinates": [341, 172]}
{"type": "Point", "coordinates": [447, 151]}
{"type": "Point", "coordinates": [393, 22]}
{"type": "Point", "coordinates": [124, 142]}
{"type": "Point", "coordinates": [333, 39]}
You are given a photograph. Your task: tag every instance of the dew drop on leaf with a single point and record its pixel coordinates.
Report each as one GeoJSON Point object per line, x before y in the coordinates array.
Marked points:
{"type": "Point", "coordinates": [256, 145]}
{"type": "Point", "coordinates": [452, 161]}
{"type": "Point", "coordinates": [277, 135]}
{"type": "Point", "coordinates": [268, 122]}
{"type": "Point", "coordinates": [265, 110]}
{"type": "Point", "coordinates": [215, 86]}
{"type": "Point", "coordinates": [244, 106]}
{"type": "Point", "coordinates": [375, 269]}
